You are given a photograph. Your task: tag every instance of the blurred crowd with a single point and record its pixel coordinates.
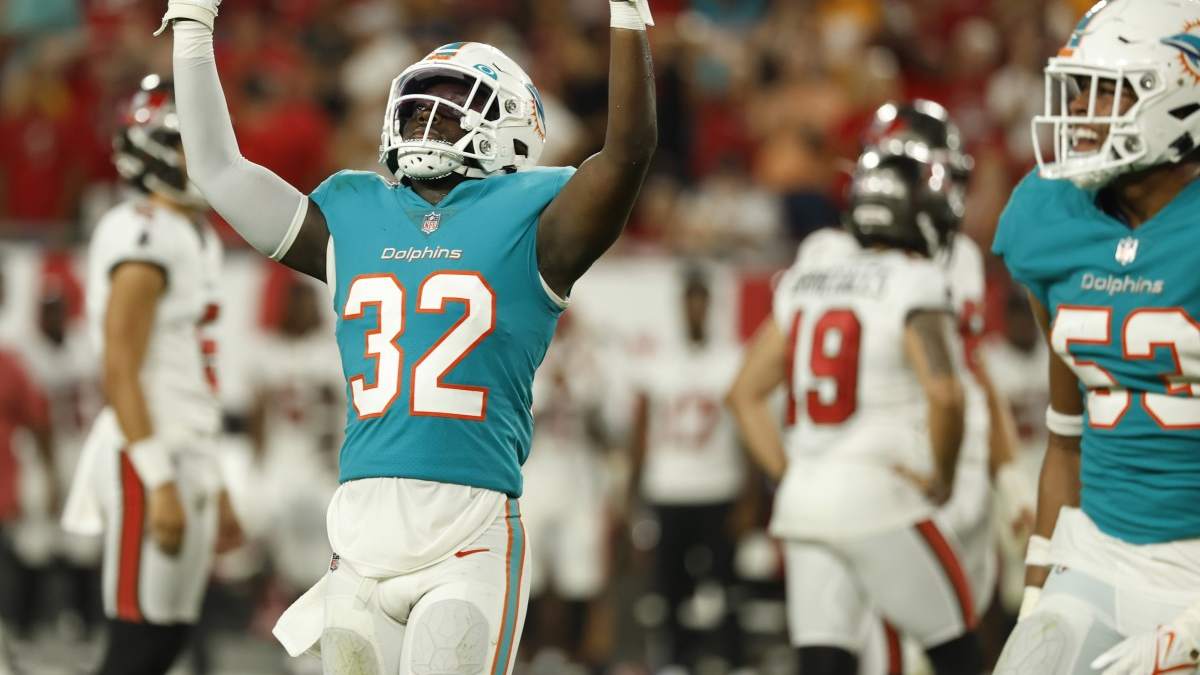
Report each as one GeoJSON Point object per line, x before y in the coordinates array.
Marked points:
{"type": "Point", "coordinates": [761, 101]}
{"type": "Point", "coordinates": [761, 104]}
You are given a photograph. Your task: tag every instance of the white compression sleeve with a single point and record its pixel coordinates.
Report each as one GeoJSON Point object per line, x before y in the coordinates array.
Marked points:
{"type": "Point", "coordinates": [261, 206]}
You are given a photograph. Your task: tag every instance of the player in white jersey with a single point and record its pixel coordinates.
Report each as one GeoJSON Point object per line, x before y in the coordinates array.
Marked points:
{"type": "Point", "coordinates": [988, 454]}
{"type": "Point", "coordinates": [874, 424]}
{"type": "Point", "coordinates": [63, 364]}
{"type": "Point", "coordinates": [567, 490]}
{"type": "Point", "coordinates": [148, 477]}
{"type": "Point", "coordinates": [296, 425]}
{"type": "Point", "coordinates": [688, 466]}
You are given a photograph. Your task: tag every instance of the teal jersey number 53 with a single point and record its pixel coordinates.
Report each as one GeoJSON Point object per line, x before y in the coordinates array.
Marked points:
{"type": "Point", "coordinates": [1124, 305]}
{"type": "Point", "coordinates": [442, 320]}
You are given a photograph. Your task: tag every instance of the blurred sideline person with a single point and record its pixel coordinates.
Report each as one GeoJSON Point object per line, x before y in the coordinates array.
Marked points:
{"type": "Point", "coordinates": [148, 476]}
{"type": "Point", "coordinates": [295, 426]}
{"type": "Point", "coordinates": [24, 416]}
{"type": "Point", "coordinates": [1017, 360]}
{"type": "Point", "coordinates": [874, 425]}
{"type": "Point", "coordinates": [566, 500]}
{"type": "Point", "coordinates": [64, 366]}
{"type": "Point", "coordinates": [688, 467]}
{"type": "Point", "coordinates": [1103, 238]}
{"type": "Point", "coordinates": [447, 280]}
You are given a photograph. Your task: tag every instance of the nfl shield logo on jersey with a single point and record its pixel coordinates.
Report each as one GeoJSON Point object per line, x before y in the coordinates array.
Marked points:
{"type": "Point", "coordinates": [432, 219]}
{"type": "Point", "coordinates": [1127, 250]}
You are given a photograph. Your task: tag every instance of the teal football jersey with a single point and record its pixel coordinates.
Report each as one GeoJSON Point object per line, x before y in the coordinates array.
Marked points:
{"type": "Point", "coordinates": [442, 320]}
{"type": "Point", "coordinates": [1124, 305]}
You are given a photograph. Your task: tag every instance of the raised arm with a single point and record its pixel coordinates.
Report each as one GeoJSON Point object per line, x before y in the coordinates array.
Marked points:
{"type": "Point", "coordinates": [926, 347]}
{"type": "Point", "coordinates": [267, 212]}
{"type": "Point", "coordinates": [590, 212]}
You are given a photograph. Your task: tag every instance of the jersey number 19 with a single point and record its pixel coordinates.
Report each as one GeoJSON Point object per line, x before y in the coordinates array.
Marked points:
{"type": "Point", "coordinates": [833, 359]}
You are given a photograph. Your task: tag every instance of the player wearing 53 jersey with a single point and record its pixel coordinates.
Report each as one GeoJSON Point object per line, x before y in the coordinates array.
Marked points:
{"type": "Point", "coordinates": [1103, 237]}
{"type": "Point", "coordinates": [447, 283]}
{"type": "Point", "coordinates": [865, 343]}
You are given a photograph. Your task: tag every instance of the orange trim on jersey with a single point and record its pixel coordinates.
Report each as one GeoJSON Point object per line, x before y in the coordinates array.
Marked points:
{"type": "Point", "coordinates": [441, 309]}
{"type": "Point", "coordinates": [950, 565]}
{"type": "Point", "coordinates": [1179, 390]}
{"type": "Point", "coordinates": [376, 358]}
{"type": "Point", "coordinates": [133, 501]}
{"type": "Point", "coordinates": [1098, 391]}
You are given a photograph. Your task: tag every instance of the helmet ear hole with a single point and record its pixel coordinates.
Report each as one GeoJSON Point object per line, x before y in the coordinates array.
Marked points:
{"type": "Point", "coordinates": [520, 148]}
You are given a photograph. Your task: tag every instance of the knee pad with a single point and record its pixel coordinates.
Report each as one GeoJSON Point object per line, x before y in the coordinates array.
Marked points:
{"type": "Point", "coordinates": [449, 638]}
{"type": "Point", "coordinates": [1049, 640]}
{"type": "Point", "coordinates": [348, 644]}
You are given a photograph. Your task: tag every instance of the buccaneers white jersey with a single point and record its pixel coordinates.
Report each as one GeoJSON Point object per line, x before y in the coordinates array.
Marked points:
{"type": "Point", "coordinates": [854, 409]}
{"type": "Point", "coordinates": [692, 454]}
{"type": "Point", "coordinates": [177, 374]}
{"type": "Point", "coordinates": [964, 270]}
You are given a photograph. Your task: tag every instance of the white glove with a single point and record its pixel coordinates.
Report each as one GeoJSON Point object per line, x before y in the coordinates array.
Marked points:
{"type": "Point", "coordinates": [1169, 649]}
{"type": "Point", "coordinates": [203, 11]}
{"type": "Point", "coordinates": [630, 14]}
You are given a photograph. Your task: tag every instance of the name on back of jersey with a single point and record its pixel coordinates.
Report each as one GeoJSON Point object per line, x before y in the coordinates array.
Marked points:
{"type": "Point", "coordinates": [859, 280]}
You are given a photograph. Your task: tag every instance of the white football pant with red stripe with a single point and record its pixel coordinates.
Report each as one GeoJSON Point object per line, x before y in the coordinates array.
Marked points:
{"type": "Point", "coordinates": [140, 582]}
{"type": "Point", "coordinates": [913, 576]}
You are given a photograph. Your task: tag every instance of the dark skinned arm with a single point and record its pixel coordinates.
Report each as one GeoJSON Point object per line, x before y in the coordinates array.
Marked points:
{"type": "Point", "coordinates": [588, 215]}
{"type": "Point", "coordinates": [1059, 482]}
{"type": "Point", "coordinates": [307, 254]}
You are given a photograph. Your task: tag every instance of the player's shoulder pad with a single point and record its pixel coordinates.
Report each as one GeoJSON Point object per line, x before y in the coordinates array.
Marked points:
{"type": "Point", "coordinates": [917, 284]}
{"type": "Point", "coordinates": [825, 244]}
{"type": "Point", "coordinates": [1036, 205]}
{"type": "Point", "coordinates": [349, 183]}
{"type": "Point", "coordinates": [139, 230]}
{"type": "Point", "coordinates": [539, 184]}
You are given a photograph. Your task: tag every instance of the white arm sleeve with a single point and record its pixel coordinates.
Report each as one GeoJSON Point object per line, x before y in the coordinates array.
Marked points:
{"type": "Point", "coordinates": [261, 206]}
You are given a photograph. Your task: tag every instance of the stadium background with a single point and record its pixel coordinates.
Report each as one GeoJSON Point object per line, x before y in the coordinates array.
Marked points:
{"type": "Point", "coordinates": [761, 104]}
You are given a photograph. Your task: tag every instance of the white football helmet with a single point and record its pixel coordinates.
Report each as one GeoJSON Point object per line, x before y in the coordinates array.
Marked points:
{"type": "Point", "coordinates": [1151, 46]}
{"type": "Point", "coordinates": [508, 135]}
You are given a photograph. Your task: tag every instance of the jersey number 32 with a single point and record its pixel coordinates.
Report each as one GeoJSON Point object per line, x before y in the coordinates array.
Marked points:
{"type": "Point", "coordinates": [430, 396]}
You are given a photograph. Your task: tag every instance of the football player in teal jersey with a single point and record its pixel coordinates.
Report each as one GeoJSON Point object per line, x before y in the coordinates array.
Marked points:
{"type": "Point", "coordinates": [1103, 237]}
{"type": "Point", "coordinates": [447, 282]}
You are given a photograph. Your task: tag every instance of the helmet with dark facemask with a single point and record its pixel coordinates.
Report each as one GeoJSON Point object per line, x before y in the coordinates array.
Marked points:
{"type": "Point", "coordinates": [900, 201]}
{"type": "Point", "coordinates": [922, 129]}
{"type": "Point", "coordinates": [147, 148]}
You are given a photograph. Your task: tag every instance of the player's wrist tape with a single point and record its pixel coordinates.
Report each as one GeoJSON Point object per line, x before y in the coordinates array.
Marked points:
{"type": "Point", "coordinates": [152, 462]}
{"type": "Point", "coordinates": [1014, 487]}
{"type": "Point", "coordinates": [630, 14]}
{"type": "Point", "coordinates": [1063, 424]}
{"type": "Point", "coordinates": [1037, 554]}
{"type": "Point", "coordinates": [202, 11]}
{"type": "Point", "coordinates": [1029, 600]}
